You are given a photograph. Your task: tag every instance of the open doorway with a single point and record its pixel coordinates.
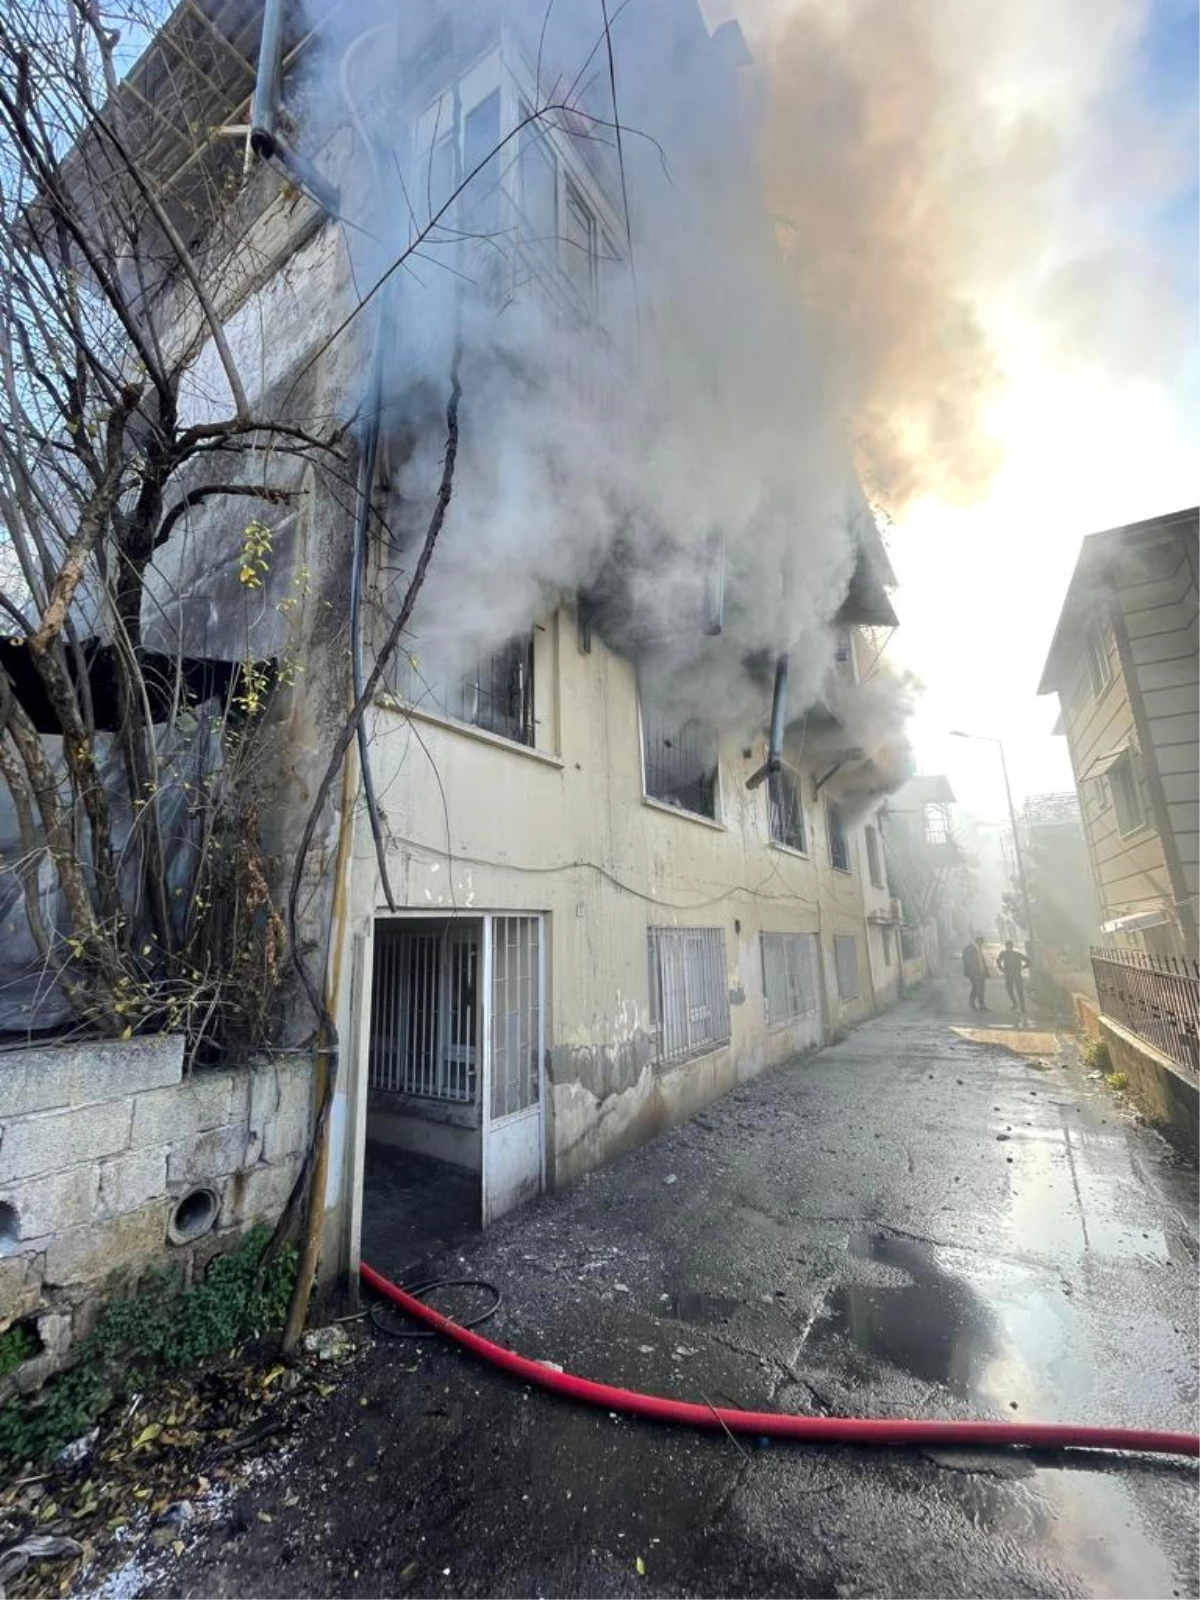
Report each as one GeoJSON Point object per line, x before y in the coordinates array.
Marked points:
{"type": "Point", "coordinates": [454, 1132]}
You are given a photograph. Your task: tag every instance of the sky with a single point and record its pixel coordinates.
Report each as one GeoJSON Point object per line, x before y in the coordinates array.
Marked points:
{"type": "Point", "coordinates": [1046, 157]}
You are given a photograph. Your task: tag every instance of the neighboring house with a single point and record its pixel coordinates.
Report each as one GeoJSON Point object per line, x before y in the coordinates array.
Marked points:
{"type": "Point", "coordinates": [608, 907]}
{"type": "Point", "coordinates": [1123, 663]}
{"type": "Point", "coordinates": [927, 870]}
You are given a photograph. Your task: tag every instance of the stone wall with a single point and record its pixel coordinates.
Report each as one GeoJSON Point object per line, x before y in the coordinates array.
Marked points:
{"type": "Point", "coordinates": [112, 1161]}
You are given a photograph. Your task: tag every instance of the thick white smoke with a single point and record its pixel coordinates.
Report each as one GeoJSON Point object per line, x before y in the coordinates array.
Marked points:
{"type": "Point", "coordinates": [693, 436]}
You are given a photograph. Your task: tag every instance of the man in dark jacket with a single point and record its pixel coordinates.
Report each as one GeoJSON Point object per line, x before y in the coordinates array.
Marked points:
{"type": "Point", "coordinates": [1012, 962]}
{"type": "Point", "coordinates": [975, 970]}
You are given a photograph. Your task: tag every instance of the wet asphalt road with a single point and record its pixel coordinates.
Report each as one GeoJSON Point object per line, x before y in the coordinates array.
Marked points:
{"type": "Point", "coordinates": [903, 1224]}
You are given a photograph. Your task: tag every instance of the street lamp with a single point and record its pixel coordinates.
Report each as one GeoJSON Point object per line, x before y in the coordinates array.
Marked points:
{"type": "Point", "coordinates": [986, 738]}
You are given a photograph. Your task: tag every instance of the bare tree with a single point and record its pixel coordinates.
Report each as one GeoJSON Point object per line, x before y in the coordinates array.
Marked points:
{"type": "Point", "coordinates": [131, 770]}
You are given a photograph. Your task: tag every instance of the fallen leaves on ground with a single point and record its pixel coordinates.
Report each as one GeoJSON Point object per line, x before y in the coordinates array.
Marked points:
{"type": "Point", "coordinates": [153, 1456]}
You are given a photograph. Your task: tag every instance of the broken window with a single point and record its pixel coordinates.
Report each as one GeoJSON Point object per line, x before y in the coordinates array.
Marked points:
{"type": "Point", "coordinates": [1099, 669]}
{"type": "Point", "coordinates": [874, 869]}
{"type": "Point", "coordinates": [786, 810]}
{"type": "Point", "coordinates": [790, 980]}
{"type": "Point", "coordinates": [689, 1000]}
{"type": "Point", "coordinates": [845, 960]}
{"type": "Point", "coordinates": [680, 761]}
{"type": "Point", "coordinates": [1126, 794]}
{"type": "Point", "coordinates": [839, 849]}
{"type": "Point", "coordinates": [495, 692]}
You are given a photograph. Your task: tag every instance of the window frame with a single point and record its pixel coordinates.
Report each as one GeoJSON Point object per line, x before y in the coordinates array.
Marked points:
{"type": "Point", "coordinates": [1124, 784]}
{"type": "Point", "coordinates": [666, 802]}
{"type": "Point", "coordinates": [586, 286]}
{"type": "Point", "coordinates": [792, 955]}
{"type": "Point", "coordinates": [672, 951]}
{"type": "Point", "coordinates": [832, 811]}
{"type": "Point", "coordinates": [776, 808]}
{"type": "Point", "coordinates": [1097, 657]}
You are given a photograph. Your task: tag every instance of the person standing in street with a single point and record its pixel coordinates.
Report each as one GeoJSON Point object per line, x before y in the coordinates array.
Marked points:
{"type": "Point", "coordinates": [975, 970]}
{"type": "Point", "coordinates": [1012, 963]}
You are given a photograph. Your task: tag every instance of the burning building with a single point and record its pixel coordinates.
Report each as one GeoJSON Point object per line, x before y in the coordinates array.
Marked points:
{"type": "Point", "coordinates": [561, 607]}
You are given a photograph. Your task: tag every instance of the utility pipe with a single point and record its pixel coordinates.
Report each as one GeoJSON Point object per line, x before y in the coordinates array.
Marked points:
{"type": "Point", "coordinates": [265, 139]}
{"type": "Point", "coordinates": [782, 1425]}
{"type": "Point", "coordinates": [774, 760]}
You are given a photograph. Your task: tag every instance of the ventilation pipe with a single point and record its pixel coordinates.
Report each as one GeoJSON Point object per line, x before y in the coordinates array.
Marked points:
{"type": "Point", "coordinates": [714, 586]}
{"type": "Point", "coordinates": [778, 722]}
{"type": "Point", "coordinates": [265, 140]}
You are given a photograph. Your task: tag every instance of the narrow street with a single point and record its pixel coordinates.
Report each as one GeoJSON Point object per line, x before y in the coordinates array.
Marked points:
{"type": "Point", "coordinates": [906, 1223]}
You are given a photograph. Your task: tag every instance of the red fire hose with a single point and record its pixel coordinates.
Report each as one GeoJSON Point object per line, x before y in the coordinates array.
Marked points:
{"type": "Point", "coordinates": [778, 1425]}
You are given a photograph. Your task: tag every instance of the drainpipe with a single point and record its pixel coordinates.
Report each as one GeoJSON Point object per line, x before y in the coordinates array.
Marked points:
{"type": "Point", "coordinates": [714, 586]}
{"type": "Point", "coordinates": [774, 759]}
{"type": "Point", "coordinates": [265, 139]}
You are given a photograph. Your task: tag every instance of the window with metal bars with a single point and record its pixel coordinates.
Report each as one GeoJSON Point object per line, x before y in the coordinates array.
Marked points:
{"type": "Point", "coordinates": [680, 761]}
{"type": "Point", "coordinates": [845, 960]}
{"type": "Point", "coordinates": [424, 1011]}
{"type": "Point", "coordinates": [839, 849]}
{"type": "Point", "coordinates": [786, 810]}
{"type": "Point", "coordinates": [495, 692]}
{"type": "Point", "coordinates": [689, 998]}
{"type": "Point", "coordinates": [789, 975]}
{"type": "Point", "coordinates": [516, 1005]}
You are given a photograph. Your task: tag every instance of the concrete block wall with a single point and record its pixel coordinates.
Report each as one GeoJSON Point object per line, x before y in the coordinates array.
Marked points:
{"type": "Point", "coordinates": [99, 1144]}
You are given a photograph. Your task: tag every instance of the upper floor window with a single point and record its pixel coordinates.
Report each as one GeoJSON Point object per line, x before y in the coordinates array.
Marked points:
{"type": "Point", "coordinates": [937, 823]}
{"type": "Point", "coordinates": [874, 869]}
{"type": "Point", "coordinates": [538, 179]}
{"type": "Point", "coordinates": [786, 810]}
{"type": "Point", "coordinates": [1099, 668]}
{"type": "Point", "coordinates": [1126, 793]}
{"type": "Point", "coordinates": [843, 654]}
{"type": "Point", "coordinates": [839, 849]}
{"type": "Point", "coordinates": [679, 760]}
{"type": "Point", "coordinates": [481, 135]}
{"type": "Point", "coordinates": [580, 254]}
{"type": "Point", "coordinates": [495, 692]}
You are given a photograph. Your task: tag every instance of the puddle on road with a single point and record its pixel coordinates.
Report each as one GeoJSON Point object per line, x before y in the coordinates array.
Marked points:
{"type": "Point", "coordinates": [940, 1328]}
{"type": "Point", "coordinates": [934, 1326]}
{"type": "Point", "coordinates": [706, 1310]}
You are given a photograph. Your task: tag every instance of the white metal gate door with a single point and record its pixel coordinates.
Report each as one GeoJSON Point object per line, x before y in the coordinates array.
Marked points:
{"type": "Point", "coordinates": [513, 985]}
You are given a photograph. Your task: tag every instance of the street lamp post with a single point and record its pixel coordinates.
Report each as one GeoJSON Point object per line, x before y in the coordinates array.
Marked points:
{"type": "Point", "coordinates": [986, 738]}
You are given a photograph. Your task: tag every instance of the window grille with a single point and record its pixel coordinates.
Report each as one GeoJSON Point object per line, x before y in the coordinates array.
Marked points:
{"type": "Point", "coordinates": [790, 978]}
{"type": "Point", "coordinates": [689, 998]}
{"type": "Point", "coordinates": [496, 691]}
{"type": "Point", "coordinates": [423, 1012]}
{"type": "Point", "coordinates": [786, 810]}
{"type": "Point", "coordinates": [515, 1021]}
{"type": "Point", "coordinates": [680, 762]}
{"type": "Point", "coordinates": [839, 849]}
